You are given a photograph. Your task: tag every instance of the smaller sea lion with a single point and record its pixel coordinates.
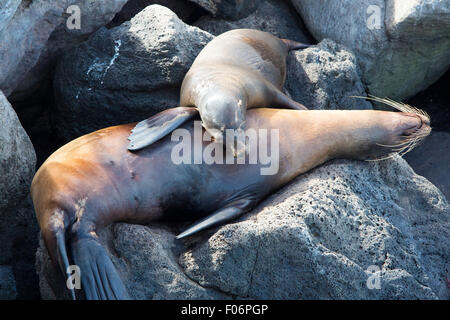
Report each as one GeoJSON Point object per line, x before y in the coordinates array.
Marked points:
{"type": "Point", "coordinates": [236, 71]}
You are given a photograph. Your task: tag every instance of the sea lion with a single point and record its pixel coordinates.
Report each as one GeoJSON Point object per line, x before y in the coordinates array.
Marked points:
{"type": "Point", "coordinates": [94, 181]}
{"type": "Point", "coordinates": [236, 71]}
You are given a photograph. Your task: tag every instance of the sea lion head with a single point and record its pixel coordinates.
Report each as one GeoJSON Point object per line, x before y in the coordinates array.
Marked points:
{"type": "Point", "coordinates": [396, 133]}
{"type": "Point", "coordinates": [221, 112]}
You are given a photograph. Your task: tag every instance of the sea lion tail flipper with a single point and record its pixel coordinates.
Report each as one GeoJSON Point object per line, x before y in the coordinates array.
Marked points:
{"type": "Point", "coordinates": [222, 215]}
{"type": "Point", "coordinates": [99, 278]}
{"type": "Point", "coordinates": [294, 45]}
{"type": "Point", "coordinates": [161, 124]}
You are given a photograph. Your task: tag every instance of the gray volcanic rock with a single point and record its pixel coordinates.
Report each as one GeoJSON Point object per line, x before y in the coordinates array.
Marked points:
{"type": "Point", "coordinates": [17, 157]}
{"type": "Point", "coordinates": [229, 9]}
{"type": "Point", "coordinates": [325, 76]}
{"type": "Point", "coordinates": [321, 237]}
{"type": "Point", "coordinates": [7, 284]}
{"type": "Point", "coordinates": [33, 33]}
{"type": "Point", "coordinates": [271, 16]}
{"type": "Point", "coordinates": [125, 74]}
{"type": "Point", "coordinates": [146, 260]}
{"type": "Point", "coordinates": [185, 10]}
{"type": "Point", "coordinates": [18, 227]}
{"type": "Point", "coordinates": [402, 46]}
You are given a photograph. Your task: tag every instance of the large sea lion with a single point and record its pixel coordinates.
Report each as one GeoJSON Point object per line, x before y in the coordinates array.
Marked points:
{"type": "Point", "coordinates": [236, 71]}
{"type": "Point", "coordinates": [94, 180]}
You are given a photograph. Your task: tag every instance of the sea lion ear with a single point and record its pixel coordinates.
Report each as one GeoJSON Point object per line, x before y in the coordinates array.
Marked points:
{"type": "Point", "coordinates": [161, 124]}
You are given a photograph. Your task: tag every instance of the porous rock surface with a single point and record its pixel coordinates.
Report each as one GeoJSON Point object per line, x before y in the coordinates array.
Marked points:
{"type": "Point", "coordinates": [125, 74]}
{"type": "Point", "coordinates": [401, 46]}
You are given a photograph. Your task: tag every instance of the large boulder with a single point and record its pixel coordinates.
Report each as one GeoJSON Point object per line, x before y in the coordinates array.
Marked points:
{"type": "Point", "coordinates": [346, 230]}
{"type": "Point", "coordinates": [229, 9]}
{"type": "Point", "coordinates": [152, 271]}
{"type": "Point", "coordinates": [33, 33]}
{"type": "Point", "coordinates": [185, 10]}
{"type": "Point", "coordinates": [272, 16]}
{"type": "Point", "coordinates": [325, 76]}
{"type": "Point", "coordinates": [17, 157]}
{"type": "Point", "coordinates": [401, 46]}
{"type": "Point", "coordinates": [125, 74]}
{"type": "Point", "coordinates": [18, 227]}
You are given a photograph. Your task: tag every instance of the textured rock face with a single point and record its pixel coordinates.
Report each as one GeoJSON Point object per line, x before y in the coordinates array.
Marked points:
{"type": "Point", "coordinates": [401, 46]}
{"type": "Point", "coordinates": [147, 262]}
{"type": "Point", "coordinates": [321, 237]}
{"type": "Point", "coordinates": [229, 9]}
{"type": "Point", "coordinates": [17, 157]}
{"type": "Point", "coordinates": [271, 16]}
{"type": "Point", "coordinates": [7, 284]}
{"type": "Point", "coordinates": [18, 228]}
{"type": "Point", "coordinates": [125, 74]}
{"type": "Point", "coordinates": [185, 10]}
{"type": "Point", "coordinates": [33, 33]}
{"type": "Point", "coordinates": [318, 237]}
{"type": "Point", "coordinates": [325, 76]}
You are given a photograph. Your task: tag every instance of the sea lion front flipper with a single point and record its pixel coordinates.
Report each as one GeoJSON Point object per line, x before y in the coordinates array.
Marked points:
{"type": "Point", "coordinates": [222, 215]}
{"type": "Point", "coordinates": [282, 100]}
{"type": "Point", "coordinates": [161, 124]}
{"type": "Point", "coordinates": [294, 45]}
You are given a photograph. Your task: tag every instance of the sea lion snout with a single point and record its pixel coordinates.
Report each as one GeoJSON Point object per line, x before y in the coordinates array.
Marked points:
{"type": "Point", "coordinates": [400, 133]}
{"type": "Point", "coordinates": [411, 124]}
{"type": "Point", "coordinates": [221, 113]}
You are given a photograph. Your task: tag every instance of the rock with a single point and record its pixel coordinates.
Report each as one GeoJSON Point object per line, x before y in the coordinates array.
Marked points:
{"type": "Point", "coordinates": [431, 159]}
{"type": "Point", "coordinates": [325, 76]}
{"type": "Point", "coordinates": [33, 33]}
{"type": "Point", "coordinates": [275, 17]}
{"type": "Point", "coordinates": [229, 9]}
{"type": "Point", "coordinates": [125, 74]}
{"type": "Point", "coordinates": [19, 232]}
{"type": "Point", "coordinates": [320, 237]}
{"type": "Point", "coordinates": [146, 258]}
{"type": "Point", "coordinates": [185, 10]}
{"type": "Point", "coordinates": [7, 284]}
{"type": "Point", "coordinates": [17, 157]}
{"type": "Point", "coordinates": [18, 226]}
{"type": "Point", "coordinates": [402, 46]}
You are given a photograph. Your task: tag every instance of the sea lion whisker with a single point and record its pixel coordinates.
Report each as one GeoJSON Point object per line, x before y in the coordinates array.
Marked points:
{"type": "Point", "coordinates": [392, 145]}
{"type": "Point", "coordinates": [403, 107]}
{"type": "Point", "coordinates": [389, 156]}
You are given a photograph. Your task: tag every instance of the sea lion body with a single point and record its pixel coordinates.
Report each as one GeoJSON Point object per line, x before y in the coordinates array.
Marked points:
{"type": "Point", "coordinates": [94, 181]}
{"type": "Point", "coordinates": [236, 71]}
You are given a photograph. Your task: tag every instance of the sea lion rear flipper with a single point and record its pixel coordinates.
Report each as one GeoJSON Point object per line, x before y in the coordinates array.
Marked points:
{"type": "Point", "coordinates": [99, 277]}
{"type": "Point", "coordinates": [63, 260]}
{"type": "Point", "coordinates": [227, 213]}
{"type": "Point", "coordinates": [154, 128]}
